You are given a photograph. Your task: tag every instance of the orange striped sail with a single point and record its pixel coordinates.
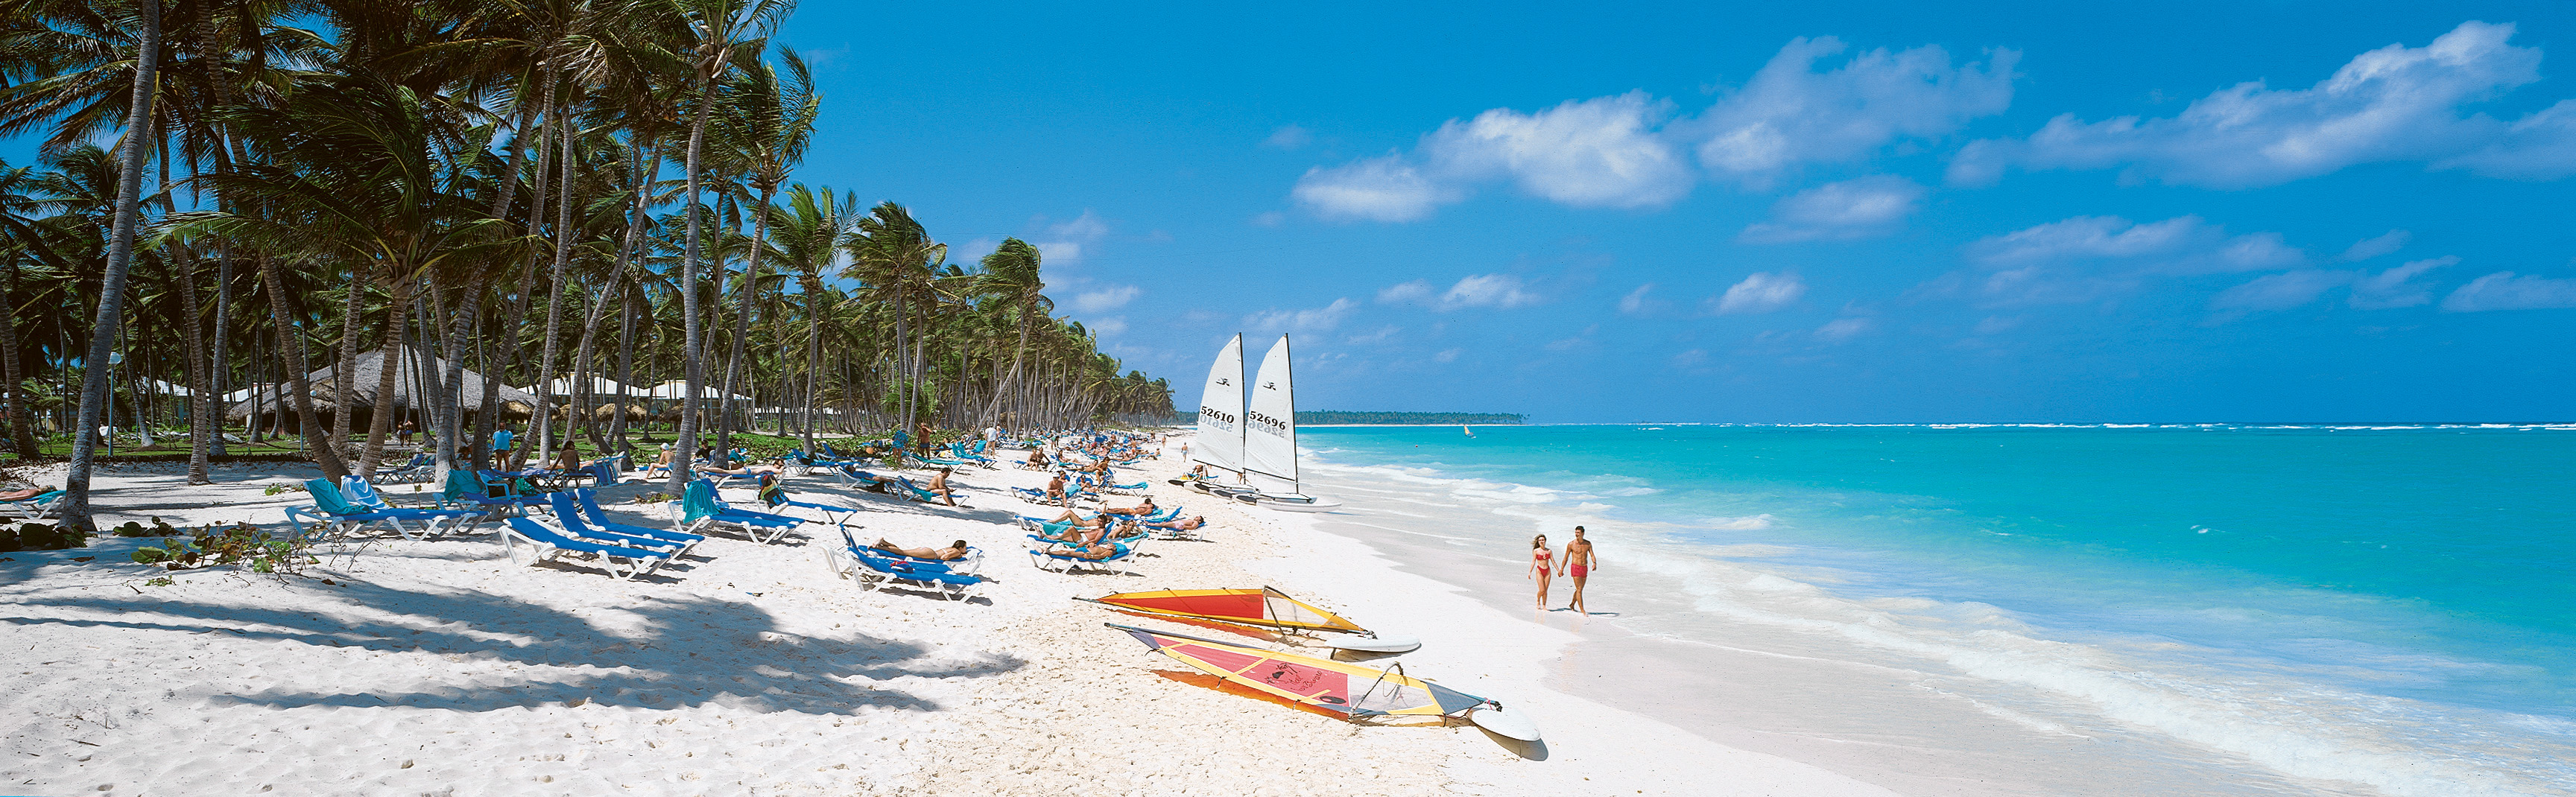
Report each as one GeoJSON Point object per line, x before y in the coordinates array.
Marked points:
{"type": "Point", "coordinates": [1349, 689]}
{"type": "Point", "coordinates": [1260, 607]}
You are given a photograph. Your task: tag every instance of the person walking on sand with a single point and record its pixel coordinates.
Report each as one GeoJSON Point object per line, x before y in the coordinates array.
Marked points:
{"type": "Point", "coordinates": [1581, 564]}
{"type": "Point", "coordinates": [1542, 564]}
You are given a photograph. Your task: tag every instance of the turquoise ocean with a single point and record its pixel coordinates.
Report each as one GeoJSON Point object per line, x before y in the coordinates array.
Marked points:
{"type": "Point", "coordinates": [2361, 609]}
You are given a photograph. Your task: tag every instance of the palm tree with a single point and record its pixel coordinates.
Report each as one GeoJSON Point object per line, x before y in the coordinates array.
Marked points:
{"type": "Point", "coordinates": [120, 258]}
{"type": "Point", "coordinates": [809, 233]}
{"type": "Point", "coordinates": [1011, 275]}
{"type": "Point", "coordinates": [770, 124]}
{"type": "Point", "coordinates": [722, 34]}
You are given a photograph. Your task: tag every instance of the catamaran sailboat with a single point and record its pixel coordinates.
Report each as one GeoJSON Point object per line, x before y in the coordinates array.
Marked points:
{"type": "Point", "coordinates": [1259, 445]}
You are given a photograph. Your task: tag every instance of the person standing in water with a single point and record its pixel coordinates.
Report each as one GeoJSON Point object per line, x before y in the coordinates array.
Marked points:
{"type": "Point", "coordinates": [1579, 563]}
{"type": "Point", "coordinates": [1542, 564]}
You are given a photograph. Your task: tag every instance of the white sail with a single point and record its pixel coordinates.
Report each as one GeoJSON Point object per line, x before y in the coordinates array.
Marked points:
{"type": "Point", "coordinates": [1270, 423]}
{"type": "Point", "coordinates": [1220, 441]}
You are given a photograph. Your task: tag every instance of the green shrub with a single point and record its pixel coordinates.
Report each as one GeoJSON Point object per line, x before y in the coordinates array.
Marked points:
{"type": "Point", "coordinates": [149, 555]}
{"type": "Point", "coordinates": [276, 489]}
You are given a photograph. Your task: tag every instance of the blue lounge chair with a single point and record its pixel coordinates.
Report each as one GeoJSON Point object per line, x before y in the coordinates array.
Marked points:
{"type": "Point", "coordinates": [568, 517]}
{"type": "Point", "coordinates": [587, 501]}
{"type": "Point", "coordinates": [332, 513]}
{"type": "Point", "coordinates": [39, 507]}
{"type": "Point", "coordinates": [418, 468]}
{"type": "Point", "coordinates": [1067, 562]}
{"type": "Point", "coordinates": [904, 487]}
{"type": "Point", "coordinates": [699, 510]}
{"type": "Point", "coordinates": [872, 568]}
{"type": "Point", "coordinates": [464, 488]}
{"type": "Point", "coordinates": [773, 496]}
{"type": "Point", "coordinates": [550, 543]}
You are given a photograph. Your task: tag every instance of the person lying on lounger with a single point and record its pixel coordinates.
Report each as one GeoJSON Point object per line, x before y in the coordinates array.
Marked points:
{"type": "Point", "coordinates": [1077, 519]}
{"type": "Point", "coordinates": [21, 495]}
{"type": "Point", "coordinates": [740, 470]}
{"type": "Point", "coordinates": [1190, 523]}
{"type": "Point", "coordinates": [1146, 508]}
{"type": "Point", "coordinates": [955, 550]}
{"type": "Point", "coordinates": [1094, 551]}
{"type": "Point", "coordinates": [1037, 459]}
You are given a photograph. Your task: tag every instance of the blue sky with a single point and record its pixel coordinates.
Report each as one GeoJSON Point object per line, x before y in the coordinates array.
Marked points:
{"type": "Point", "coordinates": [1856, 212]}
{"type": "Point", "coordinates": [1816, 212]}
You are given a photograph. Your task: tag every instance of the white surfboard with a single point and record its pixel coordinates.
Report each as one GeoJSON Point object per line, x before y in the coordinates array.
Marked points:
{"type": "Point", "coordinates": [1505, 722]}
{"type": "Point", "coordinates": [1383, 643]}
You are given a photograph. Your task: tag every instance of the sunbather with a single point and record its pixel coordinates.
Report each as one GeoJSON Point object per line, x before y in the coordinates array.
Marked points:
{"type": "Point", "coordinates": [1037, 460]}
{"type": "Point", "coordinates": [1094, 551]}
{"type": "Point", "coordinates": [21, 495]}
{"type": "Point", "coordinates": [1182, 524]}
{"type": "Point", "coordinates": [740, 470]}
{"type": "Point", "coordinates": [568, 460]}
{"type": "Point", "coordinates": [1146, 508]}
{"type": "Point", "coordinates": [954, 551]}
{"type": "Point", "coordinates": [939, 486]}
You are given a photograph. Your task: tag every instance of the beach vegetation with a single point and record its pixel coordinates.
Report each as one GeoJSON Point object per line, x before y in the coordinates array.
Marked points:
{"type": "Point", "coordinates": [35, 536]}
{"type": "Point", "coordinates": [324, 213]}
{"type": "Point", "coordinates": [241, 544]}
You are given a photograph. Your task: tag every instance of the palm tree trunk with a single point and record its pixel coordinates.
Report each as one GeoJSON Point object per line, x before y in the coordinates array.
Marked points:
{"type": "Point", "coordinates": [215, 362]}
{"type": "Point", "coordinates": [344, 380]}
{"type": "Point", "coordinates": [692, 364]}
{"type": "Point", "coordinates": [554, 306]}
{"type": "Point", "coordinates": [290, 347]}
{"type": "Point", "coordinates": [381, 421]}
{"type": "Point", "coordinates": [742, 325]}
{"type": "Point", "coordinates": [120, 258]}
{"type": "Point", "coordinates": [201, 399]}
{"type": "Point", "coordinates": [22, 424]}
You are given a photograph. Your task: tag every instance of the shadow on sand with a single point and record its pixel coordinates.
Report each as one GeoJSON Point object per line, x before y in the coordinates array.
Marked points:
{"type": "Point", "coordinates": [664, 652]}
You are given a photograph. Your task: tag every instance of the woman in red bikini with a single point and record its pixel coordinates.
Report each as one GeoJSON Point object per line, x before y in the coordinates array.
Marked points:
{"type": "Point", "coordinates": [1579, 563]}
{"type": "Point", "coordinates": [1542, 561]}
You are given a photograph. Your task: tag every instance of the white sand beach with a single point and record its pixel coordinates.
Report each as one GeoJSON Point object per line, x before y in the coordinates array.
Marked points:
{"type": "Point", "coordinates": [439, 667]}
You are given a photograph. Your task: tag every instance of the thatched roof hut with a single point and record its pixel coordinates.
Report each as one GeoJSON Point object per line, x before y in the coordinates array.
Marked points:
{"type": "Point", "coordinates": [409, 383]}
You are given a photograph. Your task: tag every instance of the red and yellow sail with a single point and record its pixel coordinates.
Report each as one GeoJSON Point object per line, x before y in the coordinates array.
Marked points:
{"type": "Point", "coordinates": [1332, 685]}
{"type": "Point", "coordinates": [1262, 607]}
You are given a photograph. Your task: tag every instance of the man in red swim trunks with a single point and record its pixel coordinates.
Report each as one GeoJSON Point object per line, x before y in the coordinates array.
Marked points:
{"type": "Point", "coordinates": [1580, 564]}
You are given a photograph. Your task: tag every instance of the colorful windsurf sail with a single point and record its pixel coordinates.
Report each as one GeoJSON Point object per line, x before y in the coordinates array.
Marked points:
{"type": "Point", "coordinates": [1335, 686]}
{"type": "Point", "coordinates": [1262, 607]}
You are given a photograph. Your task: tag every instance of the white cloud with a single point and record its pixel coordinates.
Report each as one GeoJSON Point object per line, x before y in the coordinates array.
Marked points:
{"type": "Point", "coordinates": [1487, 290]}
{"type": "Point", "coordinates": [2279, 291]}
{"type": "Point", "coordinates": [1635, 301]}
{"type": "Point", "coordinates": [2182, 245]}
{"type": "Point", "coordinates": [1601, 152]}
{"type": "Point", "coordinates": [2505, 291]}
{"type": "Point", "coordinates": [1378, 189]}
{"type": "Point", "coordinates": [2396, 103]}
{"type": "Point", "coordinates": [1762, 292]}
{"type": "Point", "coordinates": [1842, 329]}
{"type": "Point", "coordinates": [2392, 288]}
{"type": "Point", "coordinates": [1693, 358]}
{"type": "Point", "coordinates": [2368, 248]}
{"type": "Point", "coordinates": [1860, 208]}
{"type": "Point", "coordinates": [1791, 114]}
{"type": "Point", "coordinates": [1109, 298]}
{"type": "Point", "coordinates": [1107, 327]}
{"type": "Point", "coordinates": [1288, 136]}
{"type": "Point", "coordinates": [2084, 258]}
{"type": "Point", "coordinates": [1318, 319]}
{"type": "Point", "coordinates": [1403, 292]}
{"type": "Point", "coordinates": [1996, 324]}
{"type": "Point", "coordinates": [1269, 218]}
{"type": "Point", "coordinates": [1066, 242]}
{"type": "Point", "coordinates": [1379, 336]}
{"type": "Point", "coordinates": [1448, 355]}
{"type": "Point", "coordinates": [1620, 151]}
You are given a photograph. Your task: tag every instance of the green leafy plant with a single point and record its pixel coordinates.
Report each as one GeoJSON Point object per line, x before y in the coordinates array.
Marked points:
{"type": "Point", "coordinates": [276, 489]}
{"type": "Point", "coordinates": [42, 537]}
{"type": "Point", "coordinates": [162, 581]}
{"type": "Point", "coordinates": [240, 544]}
{"type": "Point", "coordinates": [653, 498]}
{"type": "Point", "coordinates": [157, 529]}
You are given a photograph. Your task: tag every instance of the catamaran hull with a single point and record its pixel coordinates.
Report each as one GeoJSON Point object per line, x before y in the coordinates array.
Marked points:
{"type": "Point", "coordinates": [1505, 722]}
{"type": "Point", "coordinates": [1385, 643]}
{"type": "Point", "coordinates": [1288, 503]}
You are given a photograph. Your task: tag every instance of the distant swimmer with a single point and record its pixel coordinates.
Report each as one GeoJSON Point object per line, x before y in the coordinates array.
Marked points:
{"type": "Point", "coordinates": [1580, 564]}
{"type": "Point", "coordinates": [1542, 564]}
